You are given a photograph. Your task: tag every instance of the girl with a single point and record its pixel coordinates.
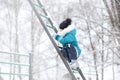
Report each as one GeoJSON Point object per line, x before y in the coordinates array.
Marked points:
{"type": "Point", "coordinates": [66, 36]}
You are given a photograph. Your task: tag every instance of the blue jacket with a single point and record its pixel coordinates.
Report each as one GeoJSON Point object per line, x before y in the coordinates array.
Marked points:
{"type": "Point", "coordinates": [69, 38]}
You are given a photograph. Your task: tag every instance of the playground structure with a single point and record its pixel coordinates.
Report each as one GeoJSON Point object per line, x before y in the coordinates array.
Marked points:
{"type": "Point", "coordinates": [13, 63]}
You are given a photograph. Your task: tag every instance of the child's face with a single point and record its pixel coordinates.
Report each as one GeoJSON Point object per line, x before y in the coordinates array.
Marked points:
{"type": "Point", "coordinates": [61, 29]}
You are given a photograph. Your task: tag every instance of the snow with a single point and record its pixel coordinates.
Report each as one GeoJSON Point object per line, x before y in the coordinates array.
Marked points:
{"type": "Point", "coordinates": [47, 63]}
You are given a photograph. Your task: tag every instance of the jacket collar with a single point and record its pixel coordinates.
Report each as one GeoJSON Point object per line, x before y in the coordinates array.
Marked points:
{"type": "Point", "coordinates": [66, 30]}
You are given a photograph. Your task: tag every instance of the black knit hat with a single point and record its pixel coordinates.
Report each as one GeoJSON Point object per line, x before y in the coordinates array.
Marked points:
{"type": "Point", "coordinates": [65, 23]}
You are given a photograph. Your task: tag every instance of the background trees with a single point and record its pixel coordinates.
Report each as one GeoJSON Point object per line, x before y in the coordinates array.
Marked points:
{"type": "Point", "coordinates": [97, 23]}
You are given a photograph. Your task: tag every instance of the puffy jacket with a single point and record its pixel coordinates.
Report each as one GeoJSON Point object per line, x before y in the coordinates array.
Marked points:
{"type": "Point", "coordinates": [67, 36]}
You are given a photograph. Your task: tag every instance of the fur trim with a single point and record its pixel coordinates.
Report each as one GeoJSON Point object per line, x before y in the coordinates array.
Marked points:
{"type": "Point", "coordinates": [66, 30]}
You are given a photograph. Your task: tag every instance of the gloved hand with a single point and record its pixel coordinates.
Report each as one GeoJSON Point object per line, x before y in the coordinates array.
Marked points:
{"type": "Point", "coordinates": [58, 37]}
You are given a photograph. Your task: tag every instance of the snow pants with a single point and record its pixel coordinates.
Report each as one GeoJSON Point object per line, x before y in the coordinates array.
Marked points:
{"type": "Point", "coordinates": [69, 52]}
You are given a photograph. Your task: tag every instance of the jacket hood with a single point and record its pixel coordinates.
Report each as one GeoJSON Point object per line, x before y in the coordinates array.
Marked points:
{"type": "Point", "coordinates": [66, 30]}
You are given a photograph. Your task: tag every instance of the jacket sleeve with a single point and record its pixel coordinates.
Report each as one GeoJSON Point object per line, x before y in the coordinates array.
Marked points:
{"type": "Point", "coordinates": [67, 39]}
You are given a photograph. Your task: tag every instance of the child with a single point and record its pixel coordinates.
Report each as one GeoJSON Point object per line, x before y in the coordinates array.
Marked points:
{"type": "Point", "coordinates": [66, 36]}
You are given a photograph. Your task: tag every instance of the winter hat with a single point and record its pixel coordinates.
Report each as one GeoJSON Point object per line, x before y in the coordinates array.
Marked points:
{"type": "Point", "coordinates": [65, 23]}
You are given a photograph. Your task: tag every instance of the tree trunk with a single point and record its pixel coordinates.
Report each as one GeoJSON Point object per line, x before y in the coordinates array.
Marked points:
{"type": "Point", "coordinates": [102, 56]}
{"type": "Point", "coordinates": [110, 13]}
{"type": "Point", "coordinates": [113, 67]}
{"type": "Point", "coordinates": [114, 16]}
{"type": "Point", "coordinates": [117, 5]}
{"type": "Point", "coordinates": [92, 47]}
{"type": "Point", "coordinates": [17, 57]}
{"type": "Point", "coordinates": [10, 38]}
{"type": "Point", "coordinates": [32, 44]}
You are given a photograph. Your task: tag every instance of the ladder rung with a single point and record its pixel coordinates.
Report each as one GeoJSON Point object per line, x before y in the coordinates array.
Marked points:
{"type": "Point", "coordinates": [21, 64]}
{"type": "Point", "coordinates": [44, 16]}
{"type": "Point", "coordinates": [39, 6]}
{"type": "Point", "coordinates": [49, 26]}
{"type": "Point", "coordinates": [14, 74]}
